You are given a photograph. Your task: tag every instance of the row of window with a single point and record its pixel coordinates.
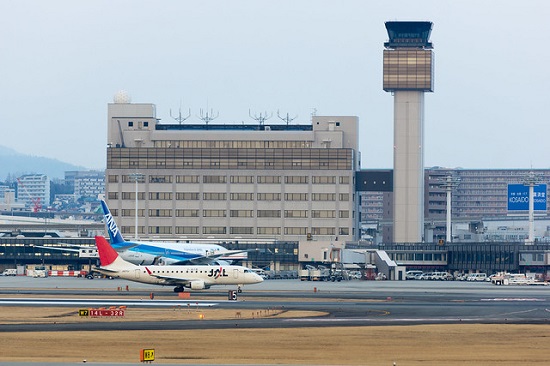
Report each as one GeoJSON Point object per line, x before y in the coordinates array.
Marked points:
{"type": "Point", "coordinates": [222, 196]}
{"type": "Point", "coordinates": [240, 179]}
{"type": "Point", "coordinates": [238, 230]}
{"type": "Point", "coordinates": [316, 214]}
{"type": "Point", "coordinates": [261, 144]}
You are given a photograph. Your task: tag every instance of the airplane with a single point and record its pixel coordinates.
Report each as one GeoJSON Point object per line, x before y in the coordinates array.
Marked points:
{"type": "Point", "coordinates": [146, 253]}
{"type": "Point", "coordinates": [180, 276]}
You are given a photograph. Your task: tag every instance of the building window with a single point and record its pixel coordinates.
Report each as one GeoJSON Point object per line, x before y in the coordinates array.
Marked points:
{"type": "Point", "coordinates": [214, 179]}
{"type": "Point", "coordinates": [132, 212]}
{"type": "Point", "coordinates": [132, 196]}
{"type": "Point", "coordinates": [160, 213]}
{"type": "Point", "coordinates": [214, 196]}
{"type": "Point", "coordinates": [296, 179]}
{"type": "Point", "coordinates": [269, 231]}
{"type": "Point", "coordinates": [343, 231]}
{"type": "Point", "coordinates": [268, 179]}
{"type": "Point", "coordinates": [323, 214]}
{"type": "Point", "coordinates": [241, 196]}
{"type": "Point", "coordinates": [161, 196]}
{"type": "Point", "coordinates": [344, 197]}
{"type": "Point", "coordinates": [295, 230]}
{"type": "Point", "coordinates": [295, 214]}
{"type": "Point", "coordinates": [323, 231]}
{"type": "Point", "coordinates": [242, 179]}
{"type": "Point", "coordinates": [187, 196]}
{"type": "Point", "coordinates": [187, 179]}
{"type": "Point", "coordinates": [241, 230]}
{"type": "Point", "coordinates": [112, 179]}
{"type": "Point", "coordinates": [269, 196]}
{"type": "Point", "coordinates": [344, 180]}
{"type": "Point", "coordinates": [241, 213]}
{"type": "Point", "coordinates": [113, 196]}
{"type": "Point", "coordinates": [324, 180]}
{"type": "Point", "coordinates": [343, 214]}
{"type": "Point", "coordinates": [160, 179]}
{"type": "Point", "coordinates": [268, 213]}
{"type": "Point", "coordinates": [323, 196]}
{"type": "Point", "coordinates": [214, 230]}
{"type": "Point", "coordinates": [187, 229]}
{"type": "Point", "coordinates": [160, 230]}
{"type": "Point", "coordinates": [213, 213]}
{"type": "Point", "coordinates": [295, 196]}
{"type": "Point", "coordinates": [187, 213]}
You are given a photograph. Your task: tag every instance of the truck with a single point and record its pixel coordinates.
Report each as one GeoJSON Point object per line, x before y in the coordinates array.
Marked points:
{"type": "Point", "coordinates": [310, 273]}
{"type": "Point", "coordinates": [9, 272]}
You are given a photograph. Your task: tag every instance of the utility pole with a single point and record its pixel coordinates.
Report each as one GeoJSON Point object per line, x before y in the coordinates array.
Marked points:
{"type": "Point", "coordinates": [449, 183]}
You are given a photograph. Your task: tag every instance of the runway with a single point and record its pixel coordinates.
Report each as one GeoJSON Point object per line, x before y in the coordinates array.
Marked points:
{"type": "Point", "coordinates": [346, 303]}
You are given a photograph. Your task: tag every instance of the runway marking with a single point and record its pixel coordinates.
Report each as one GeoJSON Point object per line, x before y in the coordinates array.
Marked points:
{"type": "Point", "coordinates": [89, 302]}
{"type": "Point", "coordinates": [513, 299]}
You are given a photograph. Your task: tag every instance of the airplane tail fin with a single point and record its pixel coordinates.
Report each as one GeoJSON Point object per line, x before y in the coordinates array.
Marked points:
{"type": "Point", "coordinates": [107, 255]}
{"type": "Point", "coordinates": [112, 228]}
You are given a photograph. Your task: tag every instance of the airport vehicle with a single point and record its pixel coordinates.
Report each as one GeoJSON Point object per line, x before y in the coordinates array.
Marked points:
{"type": "Point", "coordinates": [476, 277]}
{"type": "Point", "coordinates": [10, 272]}
{"type": "Point", "coordinates": [181, 276]}
{"type": "Point", "coordinates": [411, 275]}
{"type": "Point", "coordinates": [504, 278]}
{"type": "Point", "coordinates": [167, 253]}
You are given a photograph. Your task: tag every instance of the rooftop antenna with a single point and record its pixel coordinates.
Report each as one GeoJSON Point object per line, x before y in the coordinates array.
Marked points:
{"type": "Point", "coordinates": [313, 113]}
{"type": "Point", "coordinates": [179, 118]}
{"type": "Point", "coordinates": [287, 119]}
{"type": "Point", "coordinates": [260, 118]}
{"type": "Point", "coordinates": [208, 117]}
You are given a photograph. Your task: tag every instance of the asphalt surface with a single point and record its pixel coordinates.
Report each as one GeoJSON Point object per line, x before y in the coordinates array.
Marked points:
{"type": "Point", "coordinates": [347, 303]}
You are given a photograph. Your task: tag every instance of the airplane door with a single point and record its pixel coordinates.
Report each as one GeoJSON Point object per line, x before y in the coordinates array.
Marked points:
{"type": "Point", "coordinates": [235, 273]}
{"type": "Point", "coordinates": [137, 273]}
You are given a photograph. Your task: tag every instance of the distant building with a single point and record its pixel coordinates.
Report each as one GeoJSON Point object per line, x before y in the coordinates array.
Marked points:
{"type": "Point", "coordinates": [278, 181]}
{"type": "Point", "coordinates": [34, 190]}
{"type": "Point", "coordinates": [87, 184]}
{"type": "Point", "coordinates": [480, 197]}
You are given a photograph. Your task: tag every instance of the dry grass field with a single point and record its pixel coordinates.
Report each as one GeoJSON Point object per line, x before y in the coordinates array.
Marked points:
{"type": "Point", "coordinates": [448, 345]}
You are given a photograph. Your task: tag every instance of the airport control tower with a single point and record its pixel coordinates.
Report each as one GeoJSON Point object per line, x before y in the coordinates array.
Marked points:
{"type": "Point", "coordinates": [408, 74]}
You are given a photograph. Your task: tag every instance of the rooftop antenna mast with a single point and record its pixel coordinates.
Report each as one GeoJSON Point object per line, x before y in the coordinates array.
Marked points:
{"type": "Point", "coordinates": [287, 119]}
{"type": "Point", "coordinates": [208, 117]}
{"type": "Point", "coordinates": [179, 118]}
{"type": "Point", "coordinates": [260, 118]}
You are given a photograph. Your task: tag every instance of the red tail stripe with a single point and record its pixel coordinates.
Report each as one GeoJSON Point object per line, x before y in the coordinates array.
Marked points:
{"type": "Point", "coordinates": [107, 254]}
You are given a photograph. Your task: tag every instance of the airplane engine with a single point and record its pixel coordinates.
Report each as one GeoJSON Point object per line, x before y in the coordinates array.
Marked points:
{"type": "Point", "coordinates": [197, 285]}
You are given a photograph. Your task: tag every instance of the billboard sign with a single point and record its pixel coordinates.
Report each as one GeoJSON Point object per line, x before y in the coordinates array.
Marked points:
{"type": "Point", "coordinates": [518, 197]}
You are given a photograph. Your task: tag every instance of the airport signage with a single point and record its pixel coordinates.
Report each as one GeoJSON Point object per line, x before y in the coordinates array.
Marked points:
{"type": "Point", "coordinates": [518, 197]}
{"type": "Point", "coordinates": [101, 312]}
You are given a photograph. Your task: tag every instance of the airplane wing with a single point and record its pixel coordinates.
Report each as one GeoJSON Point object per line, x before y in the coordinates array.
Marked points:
{"type": "Point", "coordinates": [227, 256]}
{"type": "Point", "coordinates": [168, 279]}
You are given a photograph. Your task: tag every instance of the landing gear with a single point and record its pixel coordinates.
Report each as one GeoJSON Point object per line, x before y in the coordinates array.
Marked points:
{"type": "Point", "coordinates": [179, 289]}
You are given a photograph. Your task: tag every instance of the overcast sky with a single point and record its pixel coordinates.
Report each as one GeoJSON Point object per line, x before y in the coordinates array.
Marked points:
{"type": "Point", "coordinates": [61, 62]}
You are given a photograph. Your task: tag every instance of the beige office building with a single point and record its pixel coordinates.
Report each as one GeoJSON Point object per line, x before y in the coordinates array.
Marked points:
{"type": "Point", "coordinates": [231, 181]}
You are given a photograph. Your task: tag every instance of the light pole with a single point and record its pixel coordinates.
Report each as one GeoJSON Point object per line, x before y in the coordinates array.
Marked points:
{"type": "Point", "coordinates": [531, 180]}
{"type": "Point", "coordinates": [449, 183]}
{"type": "Point", "coordinates": [136, 177]}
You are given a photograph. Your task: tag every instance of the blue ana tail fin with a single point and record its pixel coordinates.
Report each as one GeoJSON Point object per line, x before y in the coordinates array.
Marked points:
{"type": "Point", "coordinates": [112, 228]}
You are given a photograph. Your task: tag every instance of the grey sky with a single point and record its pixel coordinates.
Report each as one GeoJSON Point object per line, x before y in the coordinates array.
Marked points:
{"type": "Point", "coordinates": [62, 61]}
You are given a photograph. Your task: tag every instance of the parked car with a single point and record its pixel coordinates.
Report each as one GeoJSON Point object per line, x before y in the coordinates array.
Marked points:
{"type": "Point", "coordinates": [411, 275]}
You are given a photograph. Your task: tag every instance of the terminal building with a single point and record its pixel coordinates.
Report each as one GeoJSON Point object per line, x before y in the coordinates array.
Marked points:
{"type": "Point", "coordinates": [232, 181]}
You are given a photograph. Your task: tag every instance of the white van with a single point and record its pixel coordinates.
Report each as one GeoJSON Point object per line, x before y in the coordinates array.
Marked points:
{"type": "Point", "coordinates": [410, 275]}
{"type": "Point", "coordinates": [9, 272]}
{"type": "Point", "coordinates": [474, 277]}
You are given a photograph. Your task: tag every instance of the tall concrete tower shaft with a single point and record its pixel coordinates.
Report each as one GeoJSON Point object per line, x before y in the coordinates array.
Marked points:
{"type": "Point", "coordinates": [408, 74]}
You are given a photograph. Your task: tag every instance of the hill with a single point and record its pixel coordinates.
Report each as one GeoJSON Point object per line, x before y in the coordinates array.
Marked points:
{"type": "Point", "coordinates": [16, 164]}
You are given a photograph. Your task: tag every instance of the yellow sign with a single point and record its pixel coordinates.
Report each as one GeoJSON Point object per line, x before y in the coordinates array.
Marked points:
{"type": "Point", "coordinates": [147, 355]}
{"type": "Point", "coordinates": [84, 312]}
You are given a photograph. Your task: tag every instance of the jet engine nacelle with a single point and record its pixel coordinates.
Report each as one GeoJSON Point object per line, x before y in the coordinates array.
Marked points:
{"type": "Point", "coordinates": [197, 285]}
